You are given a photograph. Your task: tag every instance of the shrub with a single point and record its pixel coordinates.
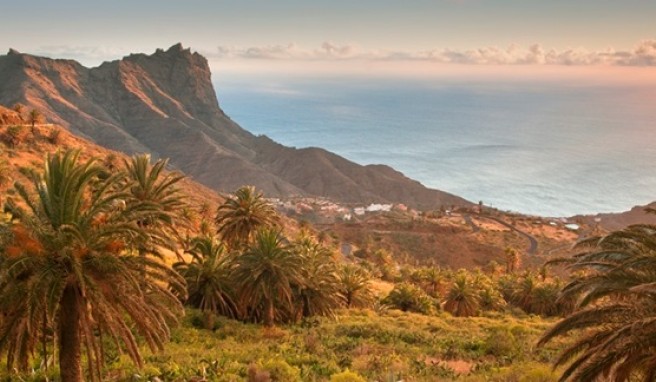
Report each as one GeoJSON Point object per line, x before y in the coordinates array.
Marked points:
{"type": "Point", "coordinates": [410, 298]}
{"type": "Point", "coordinates": [347, 376]}
{"type": "Point", "coordinates": [503, 345]}
{"type": "Point", "coordinates": [281, 371]}
{"type": "Point", "coordinates": [5, 173]}
{"type": "Point", "coordinates": [257, 375]}
{"type": "Point", "coordinates": [538, 373]}
{"type": "Point", "coordinates": [13, 136]}
{"type": "Point", "coordinates": [54, 136]}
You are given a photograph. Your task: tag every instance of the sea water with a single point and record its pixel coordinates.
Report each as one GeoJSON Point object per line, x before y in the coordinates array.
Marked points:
{"type": "Point", "coordinates": [549, 149]}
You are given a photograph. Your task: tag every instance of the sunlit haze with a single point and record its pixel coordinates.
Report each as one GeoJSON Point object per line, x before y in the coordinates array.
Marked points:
{"type": "Point", "coordinates": [295, 36]}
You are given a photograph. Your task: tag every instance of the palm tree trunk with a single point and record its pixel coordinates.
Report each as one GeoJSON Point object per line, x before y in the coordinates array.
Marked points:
{"type": "Point", "coordinates": [44, 343]}
{"type": "Point", "coordinates": [270, 316]}
{"type": "Point", "coordinates": [69, 337]}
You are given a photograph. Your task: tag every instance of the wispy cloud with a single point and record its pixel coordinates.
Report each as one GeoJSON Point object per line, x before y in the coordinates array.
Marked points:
{"type": "Point", "coordinates": [327, 50]}
{"type": "Point", "coordinates": [81, 53]}
{"type": "Point", "coordinates": [644, 54]}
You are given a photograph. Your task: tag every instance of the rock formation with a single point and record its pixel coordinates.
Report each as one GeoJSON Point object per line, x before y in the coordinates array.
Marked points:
{"type": "Point", "coordinates": [165, 104]}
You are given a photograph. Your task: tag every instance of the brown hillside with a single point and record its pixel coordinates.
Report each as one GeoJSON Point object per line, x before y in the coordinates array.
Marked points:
{"type": "Point", "coordinates": [31, 149]}
{"type": "Point", "coordinates": [620, 220]}
{"type": "Point", "coordinates": [165, 104]}
{"type": "Point", "coordinates": [450, 241]}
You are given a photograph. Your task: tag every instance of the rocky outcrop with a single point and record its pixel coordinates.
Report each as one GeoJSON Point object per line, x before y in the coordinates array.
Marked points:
{"type": "Point", "coordinates": [165, 104]}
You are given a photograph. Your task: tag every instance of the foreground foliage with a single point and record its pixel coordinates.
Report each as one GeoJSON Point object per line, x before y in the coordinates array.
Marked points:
{"type": "Point", "coordinates": [69, 271]}
{"type": "Point", "coordinates": [391, 346]}
{"type": "Point", "coordinates": [615, 290]}
{"type": "Point", "coordinates": [82, 273]}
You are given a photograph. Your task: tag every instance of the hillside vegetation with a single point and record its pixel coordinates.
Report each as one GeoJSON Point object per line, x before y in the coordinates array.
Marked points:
{"type": "Point", "coordinates": [115, 268]}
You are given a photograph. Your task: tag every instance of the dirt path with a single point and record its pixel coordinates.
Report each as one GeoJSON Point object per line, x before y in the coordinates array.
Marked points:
{"type": "Point", "coordinates": [532, 241]}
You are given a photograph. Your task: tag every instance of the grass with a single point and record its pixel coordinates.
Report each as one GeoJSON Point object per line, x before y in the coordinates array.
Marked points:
{"type": "Point", "coordinates": [389, 347]}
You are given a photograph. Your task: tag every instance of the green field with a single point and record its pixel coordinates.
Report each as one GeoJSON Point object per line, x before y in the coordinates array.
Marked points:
{"type": "Point", "coordinates": [387, 345]}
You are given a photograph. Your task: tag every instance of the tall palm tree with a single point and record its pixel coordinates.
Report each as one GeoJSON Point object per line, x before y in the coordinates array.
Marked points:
{"type": "Point", "coordinates": [462, 300]}
{"type": "Point", "coordinates": [241, 215]}
{"type": "Point", "coordinates": [267, 272]}
{"type": "Point", "coordinates": [319, 289]}
{"type": "Point", "coordinates": [615, 321]}
{"type": "Point", "coordinates": [152, 188]}
{"type": "Point", "coordinates": [356, 289]}
{"type": "Point", "coordinates": [209, 277]}
{"type": "Point", "coordinates": [66, 264]}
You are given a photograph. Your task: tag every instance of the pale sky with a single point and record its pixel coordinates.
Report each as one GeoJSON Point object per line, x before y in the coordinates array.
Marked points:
{"type": "Point", "coordinates": [252, 32]}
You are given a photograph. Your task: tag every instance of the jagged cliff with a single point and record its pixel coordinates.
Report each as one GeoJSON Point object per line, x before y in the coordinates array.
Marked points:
{"type": "Point", "coordinates": [165, 104]}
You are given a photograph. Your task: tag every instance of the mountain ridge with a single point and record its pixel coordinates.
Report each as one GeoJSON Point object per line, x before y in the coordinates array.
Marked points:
{"type": "Point", "coordinates": [165, 104]}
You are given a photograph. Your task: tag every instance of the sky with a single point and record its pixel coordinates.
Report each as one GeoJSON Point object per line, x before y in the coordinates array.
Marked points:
{"type": "Point", "coordinates": [323, 35]}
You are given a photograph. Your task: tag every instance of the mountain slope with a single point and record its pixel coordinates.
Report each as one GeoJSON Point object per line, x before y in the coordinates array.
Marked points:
{"type": "Point", "coordinates": [164, 103]}
{"type": "Point", "coordinates": [620, 220]}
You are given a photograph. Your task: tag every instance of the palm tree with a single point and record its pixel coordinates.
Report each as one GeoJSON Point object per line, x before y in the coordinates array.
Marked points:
{"type": "Point", "coordinates": [545, 299]}
{"type": "Point", "coordinates": [209, 277]}
{"type": "Point", "coordinates": [319, 290]}
{"type": "Point", "coordinates": [356, 287]}
{"type": "Point", "coordinates": [267, 273]}
{"type": "Point", "coordinates": [462, 299]}
{"type": "Point", "coordinates": [524, 293]}
{"type": "Point", "coordinates": [490, 298]}
{"type": "Point", "coordinates": [240, 216]}
{"type": "Point", "coordinates": [409, 297]}
{"type": "Point", "coordinates": [433, 278]}
{"type": "Point", "coordinates": [151, 188]}
{"type": "Point", "coordinates": [66, 265]}
{"type": "Point", "coordinates": [615, 288]}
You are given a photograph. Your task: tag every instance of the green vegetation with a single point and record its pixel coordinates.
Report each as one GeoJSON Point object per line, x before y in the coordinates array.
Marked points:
{"type": "Point", "coordinates": [242, 215]}
{"type": "Point", "coordinates": [389, 347]}
{"type": "Point", "coordinates": [34, 117]}
{"type": "Point", "coordinates": [67, 270]}
{"type": "Point", "coordinates": [87, 292]}
{"type": "Point", "coordinates": [614, 287]}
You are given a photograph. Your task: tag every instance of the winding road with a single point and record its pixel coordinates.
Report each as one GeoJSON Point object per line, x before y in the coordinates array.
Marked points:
{"type": "Point", "coordinates": [533, 242]}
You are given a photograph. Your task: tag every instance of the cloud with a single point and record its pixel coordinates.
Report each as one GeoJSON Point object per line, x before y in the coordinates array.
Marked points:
{"type": "Point", "coordinates": [326, 51]}
{"type": "Point", "coordinates": [644, 54]}
{"type": "Point", "coordinates": [81, 53]}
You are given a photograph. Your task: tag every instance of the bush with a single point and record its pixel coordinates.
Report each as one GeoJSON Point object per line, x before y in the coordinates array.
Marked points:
{"type": "Point", "coordinates": [347, 376]}
{"type": "Point", "coordinates": [410, 298]}
{"type": "Point", "coordinates": [502, 344]}
{"type": "Point", "coordinates": [281, 371]}
{"type": "Point", "coordinates": [5, 173]}
{"type": "Point", "coordinates": [54, 136]}
{"type": "Point", "coordinates": [539, 373]}
{"type": "Point", "coordinates": [13, 136]}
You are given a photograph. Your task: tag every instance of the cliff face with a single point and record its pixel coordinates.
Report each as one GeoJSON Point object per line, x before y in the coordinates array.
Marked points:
{"type": "Point", "coordinates": [165, 104]}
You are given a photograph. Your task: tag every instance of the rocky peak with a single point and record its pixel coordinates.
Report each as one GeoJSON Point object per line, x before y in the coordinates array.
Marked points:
{"type": "Point", "coordinates": [164, 103]}
{"type": "Point", "coordinates": [177, 48]}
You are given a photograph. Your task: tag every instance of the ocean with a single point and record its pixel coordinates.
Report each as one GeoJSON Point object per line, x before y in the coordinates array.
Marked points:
{"type": "Point", "coordinates": [535, 147]}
